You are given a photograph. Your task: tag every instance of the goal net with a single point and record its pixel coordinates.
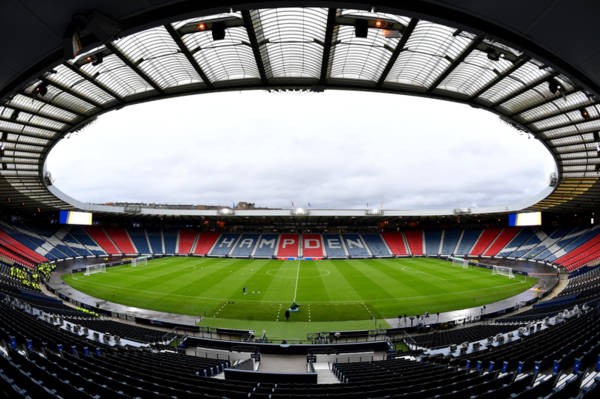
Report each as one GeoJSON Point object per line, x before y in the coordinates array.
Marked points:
{"type": "Point", "coordinates": [139, 261]}
{"type": "Point", "coordinates": [464, 263]}
{"type": "Point", "coordinates": [503, 271]}
{"type": "Point", "coordinates": [93, 269]}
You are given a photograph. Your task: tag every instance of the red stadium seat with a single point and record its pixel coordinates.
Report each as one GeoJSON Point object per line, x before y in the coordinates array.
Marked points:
{"type": "Point", "coordinates": [98, 235]}
{"type": "Point", "coordinates": [395, 241]}
{"type": "Point", "coordinates": [288, 246]}
{"type": "Point", "coordinates": [414, 238]}
{"type": "Point", "coordinates": [504, 238]}
{"type": "Point", "coordinates": [206, 240]}
{"type": "Point", "coordinates": [312, 246]}
{"type": "Point", "coordinates": [121, 239]}
{"type": "Point", "coordinates": [485, 240]}
{"type": "Point", "coordinates": [187, 238]}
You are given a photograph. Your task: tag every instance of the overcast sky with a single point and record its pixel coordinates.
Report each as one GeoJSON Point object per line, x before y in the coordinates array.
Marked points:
{"type": "Point", "coordinates": [333, 150]}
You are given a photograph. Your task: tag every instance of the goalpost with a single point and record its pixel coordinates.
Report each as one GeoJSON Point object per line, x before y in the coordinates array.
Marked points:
{"type": "Point", "coordinates": [140, 261]}
{"type": "Point", "coordinates": [503, 271]}
{"type": "Point", "coordinates": [93, 269]}
{"type": "Point", "coordinates": [464, 263]}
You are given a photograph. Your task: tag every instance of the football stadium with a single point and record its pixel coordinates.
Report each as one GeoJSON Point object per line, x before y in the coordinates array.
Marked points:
{"type": "Point", "coordinates": [132, 299]}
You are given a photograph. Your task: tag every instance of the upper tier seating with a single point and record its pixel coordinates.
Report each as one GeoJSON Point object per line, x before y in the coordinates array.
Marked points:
{"type": "Point", "coordinates": [468, 240]}
{"type": "Point", "coordinates": [414, 238]}
{"type": "Point", "coordinates": [98, 235]}
{"type": "Point", "coordinates": [504, 238]}
{"type": "Point", "coordinates": [266, 246]}
{"type": "Point", "coordinates": [485, 240]}
{"type": "Point", "coordinates": [355, 246]}
{"type": "Point", "coordinates": [312, 246]}
{"type": "Point", "coordinates": [288, 246]}
{"type": "Point", "coordinates": [245, 245]}
{"type": "Point", "coordinates": [205, 242]}
{"type": "Point", "coordinates": [74, 244]}
{"type": "Point", "coordinates": [187, 238]}
{"type": "Point", "coordinates": [11, 244]}
{"type": "Point", "coordinates": [334, 246]}
{"type": "Point", "coordinates": [376, 245]}
{"type": "Point", "coordinates": [395, 241]}
{"type": "Point", "coordinates": [433, 238]}
{"type": "Point", "coordinates": [121, 239]}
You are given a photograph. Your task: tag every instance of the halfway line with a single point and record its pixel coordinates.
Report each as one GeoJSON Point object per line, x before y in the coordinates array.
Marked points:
{"type": "Point", "coordinates": [297, 275]}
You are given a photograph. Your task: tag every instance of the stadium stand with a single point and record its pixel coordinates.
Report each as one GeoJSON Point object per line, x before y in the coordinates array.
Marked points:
{"type": "Point", "coordinates": [121, 239]}
{"type": "Point", "coordinates": [312, 246]}
{"type": "Point", "coordinates": [536, 238]}
{"type": "Point", "coordinates": [433, 238]}
{"type": "Point", "coordinates": [567, 248]}
{"type": "Point", "coordinates": [288, 246]}
{"type": "Point", "coordinates": [355, 246]}
{"type": "Point", "coordinates": [46, 239]}
{"type": "Point", "coordinates": [205, 242]}
{"type": "Point", "coordinates": [97, 234]}
{"type": "Point", "coordinates": [451, 237]}
{"type": "Point", "coordinates": [72, 242]}
{"type": "Point", "coordinates": [458, 336]}
{"type": "Point", "coordinates": [520, 239]}
{"type": "Point", "coordinates": [11, 244]}
{"type": "Point", "coordinates": [80, 235]}
{"type": "Point", "coordinates": [485, 240]}
{"type": "Point", "coordinates": [155, 238]}
{"type": "Point", "coordinates": [128, 331]}
{"type": "Point", "coordinates": [395, 241]}
{"type": "Point", "coordinates": [186, 241]}
{"type": "Point", "coordinates": [334, 247]}
{"type": "Point", "coordinates": [245, 245]}
{"type": "Point", "coordinates": [376, 245]}
{"type": "Point", "coordinates": [506, 236]}
{"type": "Point", "coordinates": [414, 239]}
{"type": "Point", "coordinates": [265, 248]}
{"type": "Point", "coordinates": [138, 236]}
{"type": "Point", "coordinates": [224, 244]}
{"type": "Point", "coordinates": [170, 241]}
{"type": "Point", "coordinates": [552, 237]}
{"type": "Point", "coordinates": [468, 240]}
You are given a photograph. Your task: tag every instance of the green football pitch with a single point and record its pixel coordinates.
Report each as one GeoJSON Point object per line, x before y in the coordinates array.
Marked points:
{"type": "Point", "coordinates": [334, 294]}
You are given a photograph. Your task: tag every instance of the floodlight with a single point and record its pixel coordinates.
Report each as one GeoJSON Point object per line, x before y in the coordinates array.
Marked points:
{"type": "Point", "coordinates": [553, 86]}
{"type": "Point", "coordinates": [225, 211]}
{"type": "Point", "coordinates": [374, 212]}
{"type": "Point", "coordinates": [94, 59]}
{"type": "Point", "coordinates": [41, 89]}
{"type": "Point", "coordinates": [201, 26]}
{"type": "Point", "coordinates": [218, 30]}
{"type": "Point", "coordinates": [584, 113]}
{"type": "Point", "coordinates": [299, 212]}
{"type": "Point", "coordinates": [493, 54]}
{"type": "Point", "coordinates": [378, 23]}
{"type": "Point", "coordinates": [361, 28]}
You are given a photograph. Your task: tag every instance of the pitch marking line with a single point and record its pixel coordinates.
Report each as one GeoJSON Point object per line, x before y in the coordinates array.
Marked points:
{"type": "Point", "coordinates": [297, 278]}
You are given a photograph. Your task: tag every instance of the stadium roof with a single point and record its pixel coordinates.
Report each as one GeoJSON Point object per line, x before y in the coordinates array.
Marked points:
{"type": "Point", "coordinates": [533, 64]}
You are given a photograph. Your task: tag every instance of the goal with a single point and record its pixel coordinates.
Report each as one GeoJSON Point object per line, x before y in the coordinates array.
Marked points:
{"type": "Point", "coordinates": [93, 269]}
{"type": "Point", "coordinates": [464, 263]}
{"type": "Point", "coordinates": [140, 261]}
{"type": "Point", "coordinates": [503, 271]}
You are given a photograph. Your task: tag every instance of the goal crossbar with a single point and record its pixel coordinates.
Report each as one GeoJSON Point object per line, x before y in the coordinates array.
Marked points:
{"type": "Point", "coordinates": [93, 269]}
{"type": "Point", "coordinates": [456, 261]}
{"type": "Point", "coordinates": [503, 271]}
{"type": "Point", "coordinates": [140, 261]}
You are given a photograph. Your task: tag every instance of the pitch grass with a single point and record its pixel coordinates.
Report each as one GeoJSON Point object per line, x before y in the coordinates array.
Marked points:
{"type": "Point", "coordinates": [334, 294]}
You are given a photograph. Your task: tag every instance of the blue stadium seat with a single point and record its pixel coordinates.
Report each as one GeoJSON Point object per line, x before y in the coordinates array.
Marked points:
{"type": "Point", "coordinates": [170, 237]}
{"type": "Point", "coordinates": [376, 245]}
{"type": "Point", "coordinates": [468, 241]}
{"type": "Point", "coordinates": [356, 247]}
{"type": "Point", "coordinates": [138, 236]}
{"type": "Point", "coordinates": [156, 241]}
{"type": "Point", "coordinates": [451, 237]}
{"type": "Point", "coordinates": [432, 242]}
{"type": "Point", "coordinates": [266, 245]}
{"type": "Point", "coordinates": [245, 245]}
{"type": "Point", "coordinates": [224, 244]}
{"type": "Point", "coordinates": [333, 246]}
